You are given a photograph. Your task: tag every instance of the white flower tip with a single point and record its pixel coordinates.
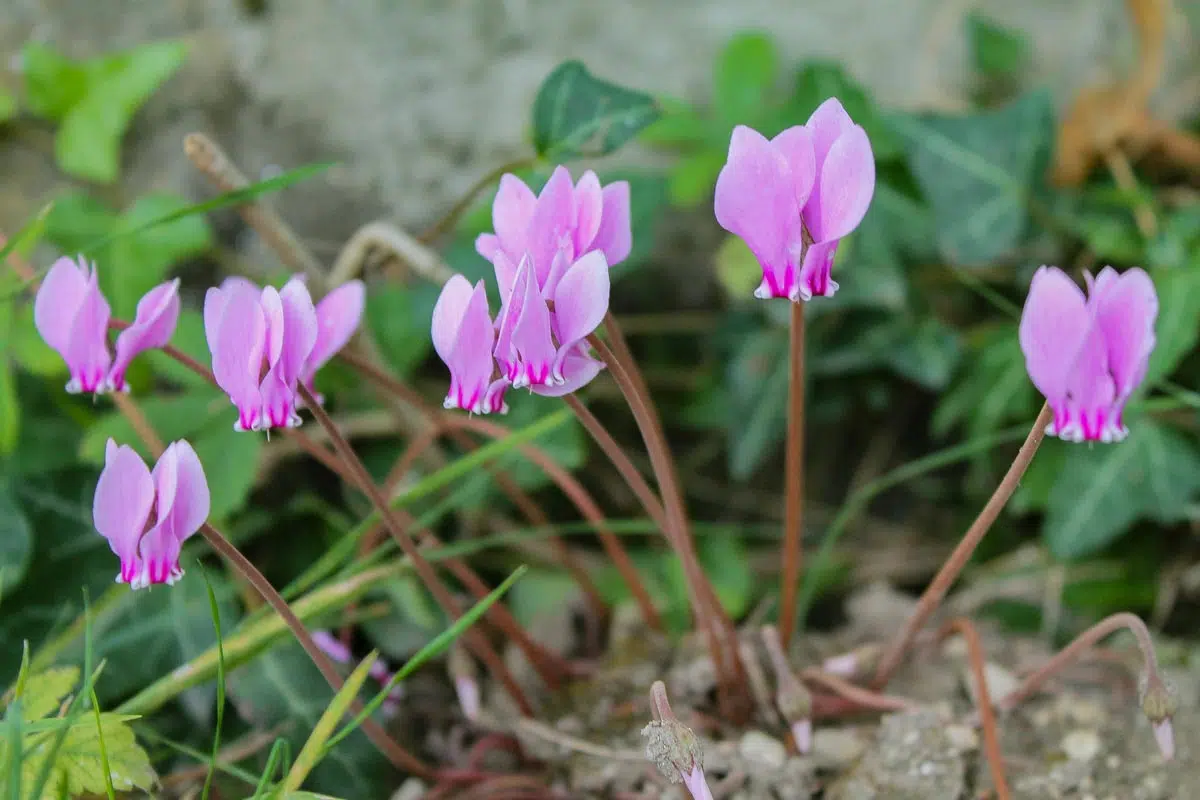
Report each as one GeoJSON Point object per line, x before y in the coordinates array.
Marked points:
{"type": "Point", "coordinates": [845, 665]}
{"type": "Point", "coordinates": [1164, 734]}
{"type": "Point", "coordinates": [762, 293]}
{"type": "Point", "coordinates": [468, 697]}
{"type": "Point", "coordinates": [802, 732]}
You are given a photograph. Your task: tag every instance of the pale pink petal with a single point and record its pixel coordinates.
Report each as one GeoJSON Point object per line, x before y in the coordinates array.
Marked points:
{"type": "Point", "coordinates": [615, 236]}
{"type": "Point", "coordinates": [87, 353]}
{"type": "Point", "coordinates": [159, 552]}
{"type": "Point", "coordinates": [512, 212]}
{"type": "Point", "coordinates": [1054, 324]}
{"type": "Point", "coordinates": [448, 315]}
{"type": "Point", "coordinates": [577, 370]}
{"type": "Point", "coordinates": [338, 317]}
{"type": "Point", "coordinates": [558, 267]}
{"type": "Point", "coordinates": [844, 190]}
{"type": "Point", "coordinates": [505, 351]}
{"type": "Point", "coordinates": [1090, 393]}
{"type": "Point", "coordinates": [506, 272]}
{"type": "Point", "coordinates": [57, 302]}
{"type": "Point", "coordinates": [827, 124]}
{"type": "Point", "coordinates": [237, 353]}
{"type": "Point", "coordinates": [184, 501]}
{"type": "Point", "coordinates": [1126, 308]}
{"type": "Point", "coordinates": [299, 329]}
{"type": "Point", "coordinates": [467, 690]}
{"type": "Point", "coordinates": [332, 646]}
{"type": "Point", "coordinates": [121, 506]}
{"type": "Point", "coordinates": [755, 200]}
{"type": "Point", "coordinates": [802, 733]}
{"type": "Point", "coordinates": [580, 302]}
{"type": "Point", "coordinates": [589, 210]}
{"type": "Point", "coordinates": [272, 307]}
{"type": "Point", "coordinates": [471, 357]}
{"type": "Point", "coordinates": [551, 225]}
{"type": "Point", "coordinates": [796, 145]}
{"type": "Point", "coordinates": [531, 337]}
{"type": "Point", "coordinates": [696, 785]}
{"type": "Point", "coordinates": [153, 326]}
{"type": "Point", "coordinates": [488, 245]}
{"type": "Point", "coordinates": [1164, 735]}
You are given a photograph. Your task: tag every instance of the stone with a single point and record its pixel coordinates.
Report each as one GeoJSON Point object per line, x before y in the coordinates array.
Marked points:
{"type": "Point", "coordinates": [762, 750]}
{"type": "Point", "coordinates": [1081, 745]}
{"type": "Point", "coordinates": [836, 748]}
{"type": "Point", "coordinates": [910, 759]}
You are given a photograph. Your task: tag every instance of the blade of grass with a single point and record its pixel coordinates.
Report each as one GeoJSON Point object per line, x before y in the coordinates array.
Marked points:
{"type": "Point", "coordinates": [23, 673]}
{"type": "Point", "coordinates": [235, 198]}
{"type": "Point", "coordinates": [28, 234]}
{"type": "Point", "coordinates": [280, 755]}
{"type": "Point", "coordinates": [15, 741]}
{"type": "Point", "coordinates": [108, 784]}
{"type": "Point", "coordinates": [147, 732]}
{"type": "Point", "coordinates": [216, 748]}
{"type": "Point", "coordinates": [310, 755]}
{"type": "Point", "coordinates": [432, 650]}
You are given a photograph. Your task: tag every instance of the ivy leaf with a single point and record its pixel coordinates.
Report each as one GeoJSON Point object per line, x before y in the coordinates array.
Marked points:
{"type": "Point", "coordinates": [976, 171]}
{"type": "Point", "coordinates": [53, 84]}
{"type": "Point", "coordinates": [576, 114]}
{"type": "Point", "coordinates": [44, 692]}
{"type": "Point", "coordinates": [79, 768]}
{"type": "Point", "coordinates": [29, 350]}
{"type": "Point", "coordinates": [1178, 326]}
{"type": "Point", "coordinates": [726, 560]}
{"type": "Point", "coordinates": [1102, 490]}
{"type": "Point", "coordinates": [745, 72]}
{"type": "Point", "coordinates": [172, 416]}
{"type": "Point", "coordinates": [88, 143]}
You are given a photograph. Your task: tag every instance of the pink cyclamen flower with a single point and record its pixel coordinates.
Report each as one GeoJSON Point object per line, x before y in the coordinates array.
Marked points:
{"type": "Point", "coordinates": [265, 341]}
{"type": "Point", "coordinates": [1087, 355]}
{"type": "Point", "coordinates": [463, 333]}
{"type": "Point", "coordinates": [72, 316]}
{"type": "Point", "coordinates": [547, 350]}
{"type": "Point", "coordinates": [556, 227]}
{"type": "Point", "coordinates": [146, 517]}
{"type": "Point", "coordinates": [793, 198]}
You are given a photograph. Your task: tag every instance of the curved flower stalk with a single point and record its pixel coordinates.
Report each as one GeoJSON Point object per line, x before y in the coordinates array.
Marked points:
{"type": "Point", "coordinates": [71, 315]}
{"type": "Point", "coordinates": [793, 198]}
{"type": "Point", "coordinates": [146, 516]}
{"type": "Point", "coordinates": [1087, 355]}
{"type": "Point", "coordinates": [265, 341]}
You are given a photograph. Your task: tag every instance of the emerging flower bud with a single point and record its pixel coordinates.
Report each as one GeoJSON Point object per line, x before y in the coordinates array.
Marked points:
{"type": "Point", "coordinates": [1159, 704]}
{"type": "Point", "coordinates": [674, 748]}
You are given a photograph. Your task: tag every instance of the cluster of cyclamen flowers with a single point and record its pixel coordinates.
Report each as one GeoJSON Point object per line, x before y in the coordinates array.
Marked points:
{"type": "Point", "coordinates": [264, 343]}
{"type": "Point", "coordinates": [791, 199]}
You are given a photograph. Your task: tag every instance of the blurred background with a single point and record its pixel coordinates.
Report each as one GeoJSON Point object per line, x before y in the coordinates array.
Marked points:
{"type": "Point", "coordinates": [1008, 134]}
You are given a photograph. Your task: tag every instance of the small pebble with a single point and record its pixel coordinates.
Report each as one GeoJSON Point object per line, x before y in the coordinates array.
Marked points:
{"type": "Point", "coordinates": [411, 789]}
{"type": "Point", "coordinates": [1081, 745]}
{"type": "Point", "coordinates": [761, 749]}
{"type": "Point", "coordinates": [962, 738]}
{"type": "Point", "coordinates": [1001, 681]}
{"type": "Point", "coordinates": [834, 748]}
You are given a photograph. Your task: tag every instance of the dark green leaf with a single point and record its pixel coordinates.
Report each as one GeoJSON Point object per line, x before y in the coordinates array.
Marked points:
{"type": "Point", "coordinates": [172, 417]}
{"type": "Point", "coordinates": [78, 219]}
{"type": "Point", "coordinates": [399, 316]}
{"type": "Point", "coordinates": [819, 80]}
{"type": "Point", "coordinates": [727, 563]}
{"type": "Point", "coordinates": [998, 51]}
{"type": "Point", "coordinates": [538, 593]}
{"type": "Point", "coordinates": [10, 410]}
{"type": "Point", "coordinates": [1033, 493]}
{"type": "Point", "coordinates": [928, 354]}
{"type": "Point", "coordinates": [230, 460]}
{"type": "Point", "coordinates": [976, 172]}
{"type": "Point", "coordinates": [576, 113]}
{"type": "Point", "coordinates": [16, 540]}
{"type": "Point", "coordinates": [88, 144]}
{"type": "Point", "coordinates": [693, 177]}
{"type": "Point", "coordinates": [1102, 490]}
{"type": "Point", "coordinates": [29, 350]}
{"type": "Point", "coordinates": [647, 203]}
{"type": "Point", "coordinates": [1178, 326]}
{"type": "Point", "coordinates": [744, 75]}
{"type": "Point", "coordinates": [8, 106]}
{"type": "Point", "coordinates": [680, 125]}
{"type": "Point", "coordinates": [993, 388]}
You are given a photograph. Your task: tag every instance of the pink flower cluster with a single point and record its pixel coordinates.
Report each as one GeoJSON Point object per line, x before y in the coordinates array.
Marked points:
{"type": "Point", "coordinates": [551, 253]}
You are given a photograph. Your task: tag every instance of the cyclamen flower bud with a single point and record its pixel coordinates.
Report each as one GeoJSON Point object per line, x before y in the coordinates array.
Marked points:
{"type": "Point", "coordinates": [673, 747]}
{"type": "Point", "coordinates": [1159, 704]}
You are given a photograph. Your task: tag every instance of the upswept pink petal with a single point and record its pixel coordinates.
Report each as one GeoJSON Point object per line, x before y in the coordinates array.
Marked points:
{"type": "Point", "coordinates": [87, 353]}
{"type": "Point", "coordinates": [1090, 394]}
{"type": "Point", "coordinates": [1126, 307]}
{"type": "Point", "coordinates": [827, 124]}
{"type": "Point", "coordinates": [332, 646]}
{"type": "Point", "coordinates": [551, 226]}
{"type": "Point", "coordinates": [238, 343]}
{"type": "Point", "coordinates": [577, 371]}
{"type": "Point", "coordinates": [300, 329]}
{"type": "Point", "coordinates": [338, 317]}
{"type": "Point", "coordinates": [615, 236]}
{"type": "Point", "coordinates": [755, 200]}
{"type": "Point", "coordinates": [57, 302]}
{"type": "Point", "coordinates": [589, 210]}
{"type": "Point", "coordinates": [272, 308]}
{"type": "Point", "coordinates": [531, 334]}
{"type": "Point", "coordinates": [448, 315]}
{"type": "Point", "coordinates": [580, 303]}
{"type": "Point", "coordinates": [493, 398]}
{"type": "Point", "coordinates": [506, 274]}
{"type": "Point", "coordinates": [1054, 325]}
{"type": "Point", "coordinates": [159, 559]}
{"type": "Point", "coordinates": [488, 245]}
{"type": "Point", "coordinates": [505, 352]}
{"type": "Point", "coordinates": [815, 280]}
{"type": "Point", "coordinates": [471, 356]}
{"type": "Point", "coordinates": [121, 506]}
{"type": "Point", "coordinates": [696, 785]}
{"type": "Point", "coordinates": [153, 325]}
{"type": "Point", "coordinates": [184, 503]}
{"type": "Point", "coordinates": [844, 190]}
{"type": "Point", "coordinates": [512, 212]}
{"type": "Point", "coordinates": [796, 145]}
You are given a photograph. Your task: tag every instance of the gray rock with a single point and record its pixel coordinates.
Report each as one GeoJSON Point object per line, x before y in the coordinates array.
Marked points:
{"type": "Point", "coordinates": [911, 759]}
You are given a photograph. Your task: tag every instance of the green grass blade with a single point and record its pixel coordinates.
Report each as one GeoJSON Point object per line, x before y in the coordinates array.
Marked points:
{"type": "Point", "coordinates": [279, 755]}
{"type": "Point", "coordinates": [237, 197]}
{"type": "Point", "coordinates": [15, 743]}
{"type": "Point", "coordinates": [314, 748]}
{"type": "Point", "coordinates": [108, 785]}
{"type": "Point", "coordinates": [432, 650]}
{"type": "Point", "coordinates": [216, 748]}
{"type": "Point", "coordinates": [148, 733]}
{"type": "Point", "coordinates": [28, 235]}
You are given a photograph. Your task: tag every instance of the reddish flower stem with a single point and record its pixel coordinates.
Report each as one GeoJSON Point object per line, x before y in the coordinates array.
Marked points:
{"type": "Point", "coordinates": [474, 638]}
{"type": "Point", "coordinates": [793, 490]}
{"type": "Point", "coordinates": [862, 698]}
{"type": "Point", "coordinates": [987, 717]}
{"type": "Point", "coordinates": [962, 552]}
{"type": "Point", "coordinates": [1076, 648]}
